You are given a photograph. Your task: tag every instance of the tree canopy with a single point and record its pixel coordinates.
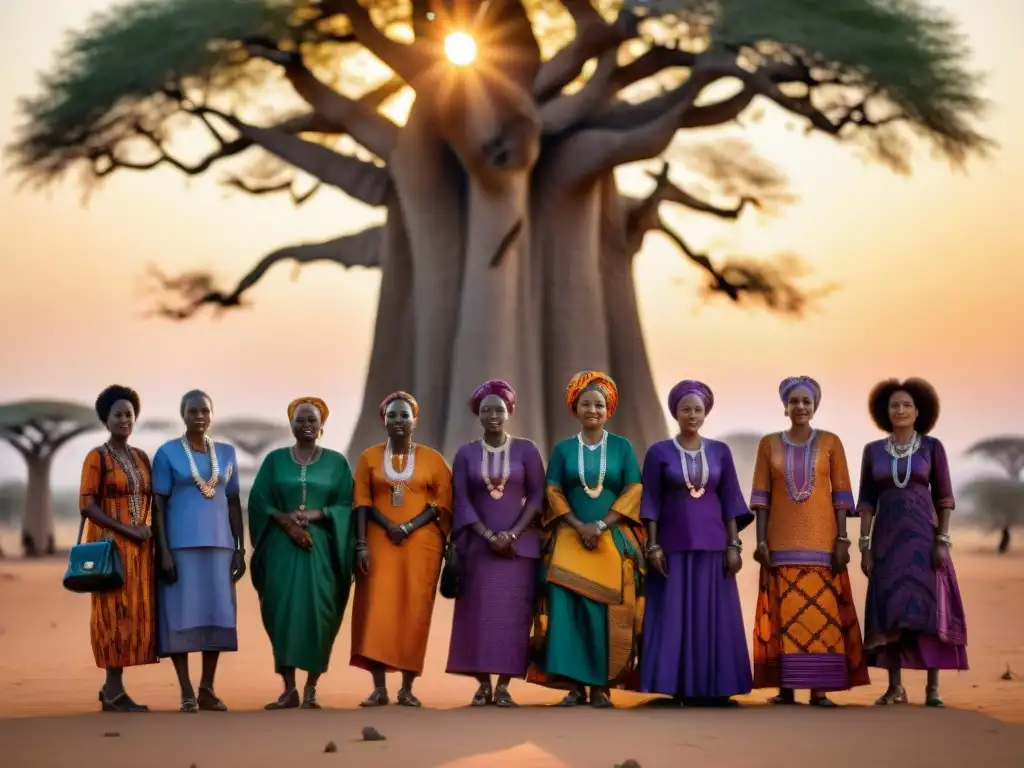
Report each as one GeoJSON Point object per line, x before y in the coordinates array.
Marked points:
{"type": "Point", "coordinates": [39, 427]}
{"type": "Point", "coordinates": [1005, 450]}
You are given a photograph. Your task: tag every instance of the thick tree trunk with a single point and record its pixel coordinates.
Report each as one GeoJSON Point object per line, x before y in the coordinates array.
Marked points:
{"type": "Point", "coordinates": [37, 525]}
{"type": "Point", "coordinates": [575, 328]}
{"type": "Point", "coordinates": [430, 189]}
{"type": "Point", "coordinates": [391, 365]}
{"type": "Point", "coordinates": [639, 418]}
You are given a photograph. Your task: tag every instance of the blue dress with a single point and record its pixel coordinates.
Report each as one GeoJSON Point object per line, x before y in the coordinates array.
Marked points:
{"type": "Point", "coordinates": [198, 612]}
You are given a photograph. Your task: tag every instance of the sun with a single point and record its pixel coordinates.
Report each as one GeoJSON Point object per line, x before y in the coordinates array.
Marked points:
{"type": "Point", "coordinates": [460, 48]}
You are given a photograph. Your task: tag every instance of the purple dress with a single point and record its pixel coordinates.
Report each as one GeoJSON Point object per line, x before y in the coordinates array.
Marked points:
{"type": "Point", "coordinates": [914, 618]}
{"type": "Point", "coordinates": [493, 617]}
{"type": "Point", "coordinates": [694, 643]}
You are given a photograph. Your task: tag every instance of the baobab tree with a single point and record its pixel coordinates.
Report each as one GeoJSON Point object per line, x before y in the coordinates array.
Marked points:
{"type": "Point", "coordinates": [37, 429]}
{"type": "Point", "coordinates": [996, 499]}
{"type": "Point", "coordinates": [507, 246]}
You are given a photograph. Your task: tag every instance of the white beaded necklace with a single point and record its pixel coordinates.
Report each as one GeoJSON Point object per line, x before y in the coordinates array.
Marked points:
{"type": "Point", "coordinates": [206, 487]}
{"type": "Point", "coordinates": [898, 452]}
{"type": "Point", "coordinates": [397, 480]}
{"type": "Point", "coordinates": [694, 492]}
{"type": "Point", "coordinates": [603, 447]}
{"type": "Point", "coordinates": [506, 466]}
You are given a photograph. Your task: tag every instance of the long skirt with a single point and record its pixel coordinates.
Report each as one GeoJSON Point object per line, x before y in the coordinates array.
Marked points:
{"type": "Point", "coordinates": [198, 612]}
{"type": "Point", "coordinates": [914, 615]}
{"type": "Point", "coordinates": [394, 602]}
{"type": "Point", "coordinates": [303, 594]}
{"type": "Point", "coordinates": [694, 643]}
{"type": "Point", "coordinates": [491, 626]}
{"type": "Point", "coordinates": [806, 633]}
{"type": "Point", "coordinates": [122, 625]}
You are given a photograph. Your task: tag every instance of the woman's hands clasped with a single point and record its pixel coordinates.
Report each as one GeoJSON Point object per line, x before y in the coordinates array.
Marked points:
{"type": "Point", "coordinates": [590, 534]}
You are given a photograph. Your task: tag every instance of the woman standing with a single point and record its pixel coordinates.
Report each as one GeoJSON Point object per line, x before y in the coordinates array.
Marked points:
{"type": "Point", "coordinates": [115, 498]}
{"type": "Point", "coordinates": [694, 644]}
{"type": "Point", "coordinates": [590, 612]}
{"type": "Point", "coordinates": [198, 522]}
{"type": "Point", "coordinates": [806, 633]}
{"type": "Point", "coordinates": [498, 486]}
{"type": "Point", "coordinates": [914, 617]}
{"type": "Point", "coordinates": [300, 525]}
{"type": "Point", "coordinates": [403, 500]}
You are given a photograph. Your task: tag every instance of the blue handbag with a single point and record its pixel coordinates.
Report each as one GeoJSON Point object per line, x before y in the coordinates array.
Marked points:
{"type": "Point", "coordinates": [94, 566]}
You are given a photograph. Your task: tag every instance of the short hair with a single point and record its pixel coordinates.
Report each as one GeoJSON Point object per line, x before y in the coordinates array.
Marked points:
{"type": "Point", "coordinates": [113, 393]}
{"type": "Point", "coordinates": [190, 395]}
{"type": "Point", "coordinates": [925, 398]}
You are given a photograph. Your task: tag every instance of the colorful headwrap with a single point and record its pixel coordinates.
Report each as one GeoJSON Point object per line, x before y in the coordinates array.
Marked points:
{"type": "Point", "coordinates": [316, 402]}
{"type": "Point", "coordinates": [399, 395]}
{"type": "Point", "coordinates": [794, 382]}
{"type": "Point", "coordinates": [498, 387]}
{"type": "Point", "coordinates": [690, 387]}
{"type": "Point", "coordinates": [587, 380]}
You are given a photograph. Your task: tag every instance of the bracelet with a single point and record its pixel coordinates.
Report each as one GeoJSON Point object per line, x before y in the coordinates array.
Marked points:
{"type": "Point", "coordinates": [405, 528]}
{"type": "Point", "coordinates": [513, 536]}
{"type": "Point", "coordinates": [864, 543]}
{"type": "Point", "coordinates": [943, 538]}
{"type": "Point", "coordinates": [602, 526]}
{"type": "Point", "coordinates": [736, 544]}
{"type": "Point", "coordinates": [844, 539]}
{"type": "Point", "coordinates": [653, 548]}
{"type": "Point", "coordinates": [361, 545]}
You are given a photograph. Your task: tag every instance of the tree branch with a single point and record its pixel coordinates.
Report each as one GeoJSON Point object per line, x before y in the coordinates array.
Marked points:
{"type": "Point", "coordinates": [17, 441]}
{"type": "Point", "coordinates": [56, 442]}
{"type": "Point", "coordinates": [195, 290]}
{"type": "Point", "coordinates": [298, 198]}
{"type": "Point", "coordinates": [565, 111]}
{"type": "Point", "coordinates": [642, 214]}
{"type": "Point", "coordinates": [673, 193]}
{"type": "Point", "coordinates": [365, 124]}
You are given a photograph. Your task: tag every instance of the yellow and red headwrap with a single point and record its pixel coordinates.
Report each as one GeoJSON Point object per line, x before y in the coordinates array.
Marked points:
{"type": "Point", "coordinates": [316, 402]}
{"type": "Point", "coordinates": [585, 380]}
{"type": "Point", "coordinates": [399, 395]}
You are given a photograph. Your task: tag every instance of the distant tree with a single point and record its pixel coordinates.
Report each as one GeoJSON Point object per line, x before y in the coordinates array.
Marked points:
{"type": "Point", "coordinates": [1008, 452]}
{"type": "Point", "coordinates": [997, 504]}
{"type": "Point", "coordinates": [253, 436]}
{"type": "Point", "coordinates": [37, 429]}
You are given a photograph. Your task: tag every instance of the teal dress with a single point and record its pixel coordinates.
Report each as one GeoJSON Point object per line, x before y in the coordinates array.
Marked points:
{"type": "Point", "coordinates": [577, 638]}
{"type": "Point", "coordinates": [303, 593]}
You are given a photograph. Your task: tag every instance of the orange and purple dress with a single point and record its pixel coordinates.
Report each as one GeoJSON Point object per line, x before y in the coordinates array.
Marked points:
{"type": "Point", "coordinates": [806, 632]}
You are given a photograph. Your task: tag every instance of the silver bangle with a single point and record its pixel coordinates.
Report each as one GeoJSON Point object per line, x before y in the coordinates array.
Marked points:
{"type": "Point", "coordinates": [602, 526]}
{"type": "Point", "coordinates": [737, 545]}
{"type": "Point", "coordinates": [944, 538]}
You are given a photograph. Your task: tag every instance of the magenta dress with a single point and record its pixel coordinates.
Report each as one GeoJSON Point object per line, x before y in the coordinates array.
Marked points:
{"type": "Point", "coordinates": [914, 617]}
{"type": "Point", "coordinates": [694, 644]}
{"type": "Point", "coordinates": [493, 617]}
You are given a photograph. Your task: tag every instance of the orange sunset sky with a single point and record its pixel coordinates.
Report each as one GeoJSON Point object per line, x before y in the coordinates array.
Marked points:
{"type": "Point", "coordinates": [930, 270]}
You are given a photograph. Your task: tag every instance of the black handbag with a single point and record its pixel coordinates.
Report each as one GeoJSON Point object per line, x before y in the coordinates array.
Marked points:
{"type": "Point", "coordinates": [453, 573]}
{"type": "Point", "coordinates": [94, 566]}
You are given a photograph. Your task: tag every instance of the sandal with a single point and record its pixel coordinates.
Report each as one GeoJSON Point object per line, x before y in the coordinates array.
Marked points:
{"type": "Point", "coordinates": [897, 695]}
{"type": "Point", "coordinates": [287, 700]}
{"type": "Point", "coordinates": [379, 698]}
{"type": "Point", "coordinates": [823, 701]}
{"type": "Point", "coordinates": [483, 696]}
{"type": "Point", "coordinates": [189, 705]}
{"type": "Point", "coordinates": [600, 700]}
{"type": "Point", "coordinates": [120, 703]}
{"type": "Point", "coordinates": [208, 701]}
{"type": "Point", "coordinates": [782, 700]}
{"type": "Point", "coordinates": [932, 698]}
{"type": "Point", "coordinates": [502, 697]}
{"type": "Point", "coordinates": [574, 698]}
{"type": "Point", "coordinates": [407, 699]}
{"type": "Point", "coordinates": [309, 700]}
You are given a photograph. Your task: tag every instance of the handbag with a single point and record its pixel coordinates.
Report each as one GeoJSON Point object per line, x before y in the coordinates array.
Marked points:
{"type": "Point", "coordinates": [453, 572]}
{"type": "Point", "coordinates": [94, 566]}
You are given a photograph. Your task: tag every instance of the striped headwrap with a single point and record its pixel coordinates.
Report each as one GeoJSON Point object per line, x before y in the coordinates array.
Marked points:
{"type": "Point", "coordinates": [588, 380]}
{"type": "Point", "coordinates": [399, 395]}
{"type": "Point", "coordinates": [497, 387]}
{"type": "Point", "coordinates": [690, 387]}
{"type": "Point", "coordinates": [795, 382]}
{"type": "Point", "coordinates": [316, 402]}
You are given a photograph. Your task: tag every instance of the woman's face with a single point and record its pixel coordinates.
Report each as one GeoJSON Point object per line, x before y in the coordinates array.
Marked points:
{"type": "Point", "coordinates": [690, 415]}
{"type": "Point", "coordinates": [398, 420]}
{"type": "Point", "coordinates": [800, 407]}
{"type": "Point", "coordinates": [902, 410]}
{"type": "Point", "coordinates": [121, 419]}
{"type": "Point", "coordinates": [592, 409]}
{"type": "Point", "coordinates": [198, 415]}
{"type": "Point", "coordinates": [306, 423]}
{"type": "Point", "coordinates": [493, 414]}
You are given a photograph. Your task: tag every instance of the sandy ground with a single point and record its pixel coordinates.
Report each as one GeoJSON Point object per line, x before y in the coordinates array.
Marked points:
{"type": "Point", "coordinates": [48, 708]}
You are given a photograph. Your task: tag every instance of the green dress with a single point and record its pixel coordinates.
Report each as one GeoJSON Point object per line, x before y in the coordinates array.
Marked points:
{"type": "Point", "coordinates": [576, 645]}
{"type": "Point", "coordinates": [303, 593]}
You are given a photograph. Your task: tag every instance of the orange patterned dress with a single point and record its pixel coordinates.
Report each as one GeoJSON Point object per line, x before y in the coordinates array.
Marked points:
{"type": "Point", "coordinates": [123, 622]}
{"type": "Point", "coordinates": [806, 632]}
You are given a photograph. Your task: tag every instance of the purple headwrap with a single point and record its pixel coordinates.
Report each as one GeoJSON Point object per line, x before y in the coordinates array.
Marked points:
{"type": "Point", "coordinates": [498, 387]}
{"type": "Point", "coordinates": [690, 387]}
{"type": "Point", "coordinates": [794, 382]}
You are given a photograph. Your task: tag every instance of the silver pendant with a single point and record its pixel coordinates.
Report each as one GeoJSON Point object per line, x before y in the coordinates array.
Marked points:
{"type": "Point", "coordinates": [397, 495]}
